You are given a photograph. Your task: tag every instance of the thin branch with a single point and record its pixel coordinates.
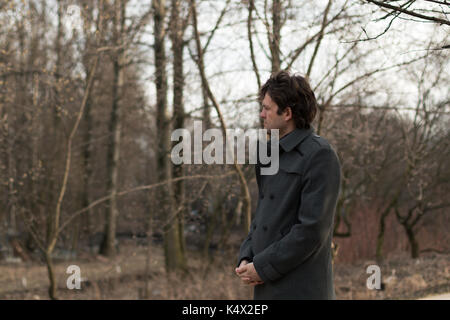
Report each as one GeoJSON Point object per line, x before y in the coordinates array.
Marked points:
{"type": "Point", "coordinates": [140, 188]}
{"type": "Point", "coordinates": [55, 221]}
{"type": "Point", "coordinates": [251, 5]}
{"type": "Point", "coordinates": [368, 74]}
{"type": "Point", "coordinates": [319, 40]}
{"type": "Point", "coordinates": [338, 61]}
{"type": "Point", "coordinates": [409, 12]}
{"type": "Point", "coordinates": [356, 106]}
{"type": "Point", "coordinates": [205, 84]}
{"type": "Point", "coordinates": [439, 2]}
{"type": "Point", "coordinates": [216, 27]}
{"type": "Point", "coordinates": [296, 53]}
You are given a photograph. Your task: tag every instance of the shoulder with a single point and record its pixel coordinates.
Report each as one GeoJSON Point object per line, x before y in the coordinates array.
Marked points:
{"type": "Point", "coordinates": [310, 151]}
{"type": "Point", "coordinates": [312, 144]}
{"type": "Point", "coordinates": [316, 149]}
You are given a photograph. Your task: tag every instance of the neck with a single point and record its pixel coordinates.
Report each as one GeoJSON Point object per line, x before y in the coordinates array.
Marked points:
{"type": "Point", "coordinates": [286, 130]}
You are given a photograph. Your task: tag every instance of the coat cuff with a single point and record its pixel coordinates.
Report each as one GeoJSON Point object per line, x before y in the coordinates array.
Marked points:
{"type": "Point", "coordinates": [265, 269]}
{"type": "Point", "coordinates": [243, 258]}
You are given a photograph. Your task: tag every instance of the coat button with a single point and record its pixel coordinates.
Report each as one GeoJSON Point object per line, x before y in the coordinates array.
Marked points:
{"type": "Point", "coordinates": [262, 196]}
{"type": "Point", "coordinates": [272, 196]}
{"type": "Point", "coordinates": [265, 228]}
{"type": "Point", "coordinates": [254, 227]}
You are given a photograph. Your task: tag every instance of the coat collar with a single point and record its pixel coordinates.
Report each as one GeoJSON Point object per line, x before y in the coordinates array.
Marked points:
{"type": "Point", "coordinates": [293, 138]}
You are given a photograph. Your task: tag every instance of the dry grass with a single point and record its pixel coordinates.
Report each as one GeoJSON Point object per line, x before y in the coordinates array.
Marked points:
{"type": "Point", "coordinates": [402, 277]}
{"type": "Point", "coordinates": [124, 278]}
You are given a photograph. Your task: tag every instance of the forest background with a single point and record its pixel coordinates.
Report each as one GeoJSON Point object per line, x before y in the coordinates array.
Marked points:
{"type": "Point", "coordinates": [90, 92]}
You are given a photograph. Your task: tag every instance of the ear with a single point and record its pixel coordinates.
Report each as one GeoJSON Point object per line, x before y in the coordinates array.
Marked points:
{"type": "Point", "coordinates": [287, 113]}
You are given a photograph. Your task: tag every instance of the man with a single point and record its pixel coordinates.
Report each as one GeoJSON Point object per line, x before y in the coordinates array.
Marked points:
{"type": "Point", "coordinates": [287, 253]}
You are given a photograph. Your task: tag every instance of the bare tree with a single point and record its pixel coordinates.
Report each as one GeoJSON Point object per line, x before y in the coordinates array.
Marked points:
{"type": "Point", "coordinates": [426, 150]}
{"type": "Point", "coordinates": [178, 23]}
{"type": "Point", "coordinates": [108, 247]}
{"type": "Point", "coordinates": [200, 63]}
{"type": "Point", "coordinates": [174, 256]}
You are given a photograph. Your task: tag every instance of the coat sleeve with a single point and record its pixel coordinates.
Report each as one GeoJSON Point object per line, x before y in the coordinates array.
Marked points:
{"type": "Point", "coordinates": [246, 251]}
{"type": "Point", "coordinates": [315, 216]}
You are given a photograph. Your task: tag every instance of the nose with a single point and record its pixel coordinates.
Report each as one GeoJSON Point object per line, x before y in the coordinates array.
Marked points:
{"type": "Point", "coordinates": [262, 114]}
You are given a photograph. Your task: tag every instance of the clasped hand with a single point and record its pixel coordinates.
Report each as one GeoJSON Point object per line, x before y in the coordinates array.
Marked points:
{"type": "Point", "coordinates": [247, 272]}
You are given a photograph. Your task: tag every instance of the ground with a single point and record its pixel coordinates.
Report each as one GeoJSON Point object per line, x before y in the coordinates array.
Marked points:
{"type": "Point", "coordinates": [402, 277]}
{"type": "Point", "coordinates": [124, 278]}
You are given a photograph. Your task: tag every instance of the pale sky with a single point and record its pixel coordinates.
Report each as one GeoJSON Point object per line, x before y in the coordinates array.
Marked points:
{"type": "Point", "coordinates": [229, 68]}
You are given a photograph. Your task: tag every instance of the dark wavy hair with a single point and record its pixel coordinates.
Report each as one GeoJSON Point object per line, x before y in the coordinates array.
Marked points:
{"type": "Point", "coordinates": [292, 91]}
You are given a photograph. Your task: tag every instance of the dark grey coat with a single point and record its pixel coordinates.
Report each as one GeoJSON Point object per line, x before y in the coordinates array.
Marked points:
{"type": "Point", "coordinates": [290, 236]}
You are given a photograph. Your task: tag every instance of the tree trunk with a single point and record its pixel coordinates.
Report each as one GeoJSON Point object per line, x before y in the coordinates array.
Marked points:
{"type": "Point", "coordinates": [87, 166]}
{"type": "Point", "coordinates": [177, 33]}
{"type": "Point", "coordinates": [172, 246]}
{"type": "Point", "coordinates": [54, 165]}
{"type": "Point", "coordinates": [206, 110]}
{"type": "Point", "coordinates": [382, 224]}
{"type": "Point", "coordinates": [108, 247]}
{"type": "Point", "coordinates": [274, 41]}
{"type": "Point", "coordinates": [85, 221]}
{"type": "Point", "coordinates": [148, 260]}
{"type": "Point", "coordinates": [380, 236]}
{"type": "Point", "coordinates": [87, 136]}
{"type": "Point", "coordinates": [51, 276]}
{"type": "Point", "coordinates": [412, 240]}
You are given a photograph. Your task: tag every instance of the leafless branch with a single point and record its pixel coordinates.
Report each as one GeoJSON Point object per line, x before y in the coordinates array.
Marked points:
{"type": "Point", "coordinates": [409, 12]}
{"type": "Point", "coordinates": [140, 188]}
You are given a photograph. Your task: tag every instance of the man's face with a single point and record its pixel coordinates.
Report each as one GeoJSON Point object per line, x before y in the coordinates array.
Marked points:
{"type": "Point", "coordinates": [272, 120]}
